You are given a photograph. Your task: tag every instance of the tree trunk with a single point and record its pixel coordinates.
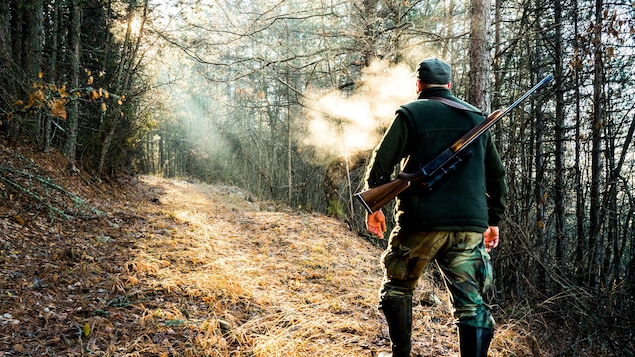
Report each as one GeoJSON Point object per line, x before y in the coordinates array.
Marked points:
{"type": "Point", "coordinates": [596, 150]}
{"type": "Point", "coordinates": [560, 140]}
{"type": "Point", "coordinates": [33, 39]}
{"type": "Point", "coordinates": [73, 108]}
{"type": "Point", "coordinates": [581, 246]}
{"type": "Point", "coordinates": [478, 91]}
{"type": "Point", "coordinates": [540, 199]}
{"type": "Point", "coordinates": [53, 18]}
{"type": "Point", "coordinates": [6, 68]}
{"type": "Point", "coordinates": [16, 26]}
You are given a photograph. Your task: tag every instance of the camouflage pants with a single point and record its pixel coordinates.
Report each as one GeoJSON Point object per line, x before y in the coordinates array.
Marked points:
{"type": "Point", "coordinates": [462, 259]}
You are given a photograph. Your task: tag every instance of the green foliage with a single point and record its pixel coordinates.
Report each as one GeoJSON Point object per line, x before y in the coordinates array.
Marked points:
{"type": "Point", "coordinates": [335, 209]}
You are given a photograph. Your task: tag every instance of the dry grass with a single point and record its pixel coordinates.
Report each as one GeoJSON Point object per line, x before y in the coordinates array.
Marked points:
{"type": "Point", "coordinates": [273, 283]}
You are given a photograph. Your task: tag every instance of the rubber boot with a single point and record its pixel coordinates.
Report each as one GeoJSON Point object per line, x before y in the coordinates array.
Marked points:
{"type": "Point", "coordinates": [474, 341]}
{"type": "Point", "coordinates": [398, 313]}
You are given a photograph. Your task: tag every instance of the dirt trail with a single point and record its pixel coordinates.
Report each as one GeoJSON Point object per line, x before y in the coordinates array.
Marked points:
{"type": "Point", "coordinates": [175, 268]}
{"type": "Point", "coordinates": [299, 284]}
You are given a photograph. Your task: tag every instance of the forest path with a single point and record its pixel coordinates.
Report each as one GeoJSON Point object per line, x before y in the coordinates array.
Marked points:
{"type": "Point", "coordinates": [284, 283]}
{"type": "Point", "coordinates": [175, 268]}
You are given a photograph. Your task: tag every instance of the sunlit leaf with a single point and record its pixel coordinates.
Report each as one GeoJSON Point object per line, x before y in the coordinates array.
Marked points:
{"type": "Point", "coordinates": [36, 98]}
{"type": "Point", "coordinates": [57, 108]}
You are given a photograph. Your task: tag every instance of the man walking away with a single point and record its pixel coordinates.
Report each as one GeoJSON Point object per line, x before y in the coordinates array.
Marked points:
{"type": "Point", "coordinates": [455, 225]}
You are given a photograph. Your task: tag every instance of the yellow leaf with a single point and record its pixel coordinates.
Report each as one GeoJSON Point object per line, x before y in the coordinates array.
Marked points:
{"type": "Point", "coordinates": [19, 219]}
{"type": "Point", "coordinates": [40, 75]}
{"type": "Point", "coordinates": [104, 107]}
{"type": "Point", "coordinates": [86, 329]}
{"type": "Point", "coordinates": [90, 80]}
{"type": "Point", "coordinates": [36, 98]}
{"type": "Point", "coordinates": [57, 108]}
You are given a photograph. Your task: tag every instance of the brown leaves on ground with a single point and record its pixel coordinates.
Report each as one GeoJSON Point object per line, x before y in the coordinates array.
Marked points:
{"type": "Point", "coordinates": [175, 268]}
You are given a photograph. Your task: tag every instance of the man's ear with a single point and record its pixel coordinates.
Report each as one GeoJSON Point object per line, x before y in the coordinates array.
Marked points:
{"type": "Point", "coordinates": [419, 86]}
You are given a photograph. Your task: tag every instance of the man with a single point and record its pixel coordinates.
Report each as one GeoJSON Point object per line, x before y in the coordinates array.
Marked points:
{"type": "Point", "coordinates": [455, 224]}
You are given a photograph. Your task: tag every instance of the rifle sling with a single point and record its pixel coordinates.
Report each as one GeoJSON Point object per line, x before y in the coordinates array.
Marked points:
{"type": "Point", "coordinates": [453, 104]}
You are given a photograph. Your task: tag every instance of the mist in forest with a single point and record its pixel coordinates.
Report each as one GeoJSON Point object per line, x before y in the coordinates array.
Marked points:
{"type": "Point", "coordinates": [342, 124]}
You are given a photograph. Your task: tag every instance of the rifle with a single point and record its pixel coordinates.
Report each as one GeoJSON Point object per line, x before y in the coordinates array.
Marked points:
{"type": "Point", "coordinates": [445, 162]}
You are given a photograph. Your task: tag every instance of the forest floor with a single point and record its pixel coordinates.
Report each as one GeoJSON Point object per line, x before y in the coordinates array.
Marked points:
{"type": "Point", "coordinates": [146, 266]}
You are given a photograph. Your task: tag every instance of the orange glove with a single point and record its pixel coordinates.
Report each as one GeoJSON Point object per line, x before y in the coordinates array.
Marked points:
{"type": "Point", "coordinates": [491, 237]}
{"type": "Point", "coordinates": [376, 223]}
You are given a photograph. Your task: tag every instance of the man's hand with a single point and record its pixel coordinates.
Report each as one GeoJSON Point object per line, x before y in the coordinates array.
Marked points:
{"type": "Point", "coordinates": [376, 223]}
{"type": "Point", "coordinates": [491, 237]}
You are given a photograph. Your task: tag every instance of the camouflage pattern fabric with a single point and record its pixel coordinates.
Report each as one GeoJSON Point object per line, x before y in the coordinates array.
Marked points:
{"type": "Point", "coordinates": [461, 257]}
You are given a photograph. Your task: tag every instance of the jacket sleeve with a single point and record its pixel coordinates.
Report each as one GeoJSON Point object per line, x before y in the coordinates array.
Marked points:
{"type": "Point", "coordinates": [496, 184]}
{"type": "Point", "coordinates": [388, 153]}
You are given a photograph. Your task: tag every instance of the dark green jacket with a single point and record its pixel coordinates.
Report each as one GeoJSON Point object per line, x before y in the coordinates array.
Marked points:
{"type": "Point", "coordinates": [470, 199]}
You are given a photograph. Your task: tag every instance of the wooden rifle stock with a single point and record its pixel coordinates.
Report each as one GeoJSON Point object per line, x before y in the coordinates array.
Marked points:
{"type": "Point", "coordinates": [375, 198]}
{"type": "Point", "coordinates": [447, 161]}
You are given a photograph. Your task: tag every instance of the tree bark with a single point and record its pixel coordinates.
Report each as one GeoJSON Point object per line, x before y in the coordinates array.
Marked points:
{"type": "Point", "coordinates": [560, 140]}
{"type": "Point", "coordinates": [33, 39]}
{"type": "Point", "coordinates": [73, 108]}
{"type": "Point", "coordinates": [581, 245]}
{"type": "Point", "coordinates": [53, 18]}
{"type": "Point", "coordinates": [596, 149]}
{"type": "Point", "coordinates": [479, 74]}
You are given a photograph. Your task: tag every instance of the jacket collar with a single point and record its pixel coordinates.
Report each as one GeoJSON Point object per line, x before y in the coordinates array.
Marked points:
{"type": "Point", "coordinates": [436, 92]}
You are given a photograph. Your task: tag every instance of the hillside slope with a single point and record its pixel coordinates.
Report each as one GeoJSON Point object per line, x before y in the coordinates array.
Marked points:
{"type": "Point", "coordinates": [155, 267]}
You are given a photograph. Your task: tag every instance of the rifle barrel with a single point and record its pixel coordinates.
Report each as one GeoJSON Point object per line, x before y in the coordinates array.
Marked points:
{"type": "Point", "coordinates": [544, 81]}
{"type": "Point", "coordinates": [476, 132]}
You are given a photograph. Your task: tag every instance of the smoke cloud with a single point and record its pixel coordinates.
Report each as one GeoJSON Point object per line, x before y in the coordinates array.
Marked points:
{"type": "Point", "coordinates": [342, 124]}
